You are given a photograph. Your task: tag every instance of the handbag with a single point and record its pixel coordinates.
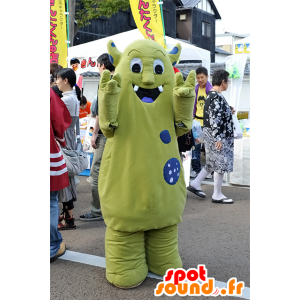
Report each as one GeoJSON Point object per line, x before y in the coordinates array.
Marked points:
{"type": "Point", "coordinates": [185, 142]}
{"type": "Point", "coordinates": [237, 130]}
{"type": "Point", "coordinates": [76, 160]}
{"type": "Point", "coordinates": [197, 132]}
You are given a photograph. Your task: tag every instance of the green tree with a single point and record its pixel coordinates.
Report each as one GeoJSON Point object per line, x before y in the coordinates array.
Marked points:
{"type": "Point", "coordinates": [87, 10]}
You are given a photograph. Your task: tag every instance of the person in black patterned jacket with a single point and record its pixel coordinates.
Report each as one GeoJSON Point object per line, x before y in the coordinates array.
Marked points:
{"type": "Point", "coordinates": [218, 135]}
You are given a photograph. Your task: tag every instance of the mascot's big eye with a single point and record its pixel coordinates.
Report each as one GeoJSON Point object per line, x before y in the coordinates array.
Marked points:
{"type": "Point", "coordinates": [136, 65]}
{"type": "Point", "coordinates": [158, 66]}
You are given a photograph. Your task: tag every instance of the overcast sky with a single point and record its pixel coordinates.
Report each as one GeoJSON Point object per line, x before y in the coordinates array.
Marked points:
{"type": "Point", "coordinates": [235, 16]}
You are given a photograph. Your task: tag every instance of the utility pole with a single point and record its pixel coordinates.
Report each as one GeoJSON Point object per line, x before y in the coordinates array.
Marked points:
{"type": "Point", "coordinates": [71, 21]}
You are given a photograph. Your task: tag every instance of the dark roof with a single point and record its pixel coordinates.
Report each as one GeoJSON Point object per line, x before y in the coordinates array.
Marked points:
{"type": "Point", "coordinates": [232, 34]}
{"type": "Point", "coordinates": [178, 2]}
{"type": "Point", "coordinates": [90, 74]}
{"type": "Point", "coordinates": [190, 4]}
{"type": "Point", "coordinates": [212, 4]}
{"type": "Point", "coordinates": [186, 68]}
{"type": "Point", "coordinates": [221, 51]}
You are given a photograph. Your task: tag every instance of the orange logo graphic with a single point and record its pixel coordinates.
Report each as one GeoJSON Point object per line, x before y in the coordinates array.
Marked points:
{"type": "Point", "coordinates": [194, 282]}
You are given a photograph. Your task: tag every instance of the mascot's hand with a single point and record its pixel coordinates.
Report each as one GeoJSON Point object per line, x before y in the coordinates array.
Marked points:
{"type": "Point", "coordinates": [185, 89]}
{"type": "Point", "coordinates": [110, 86]}
{"type": "Point", "coordinates": [184, 97]}
{"type": "Point", "coordinates": [108, 97]}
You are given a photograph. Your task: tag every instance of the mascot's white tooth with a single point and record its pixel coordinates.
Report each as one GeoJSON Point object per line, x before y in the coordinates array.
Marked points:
{"type": "Point", "coordinates": [135, 88]}
{"type": "Point", "coordinates": [161, 88]}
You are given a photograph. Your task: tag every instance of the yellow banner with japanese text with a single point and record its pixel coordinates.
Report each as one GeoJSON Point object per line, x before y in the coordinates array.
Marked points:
{"type": "Point", "coordinates": [147, 17]}
{"type": "Point", "coordinates": [58, 33]}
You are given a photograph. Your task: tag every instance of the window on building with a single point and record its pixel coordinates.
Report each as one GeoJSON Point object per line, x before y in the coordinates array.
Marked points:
{"type": "Point", "coordinates": [206, 29]}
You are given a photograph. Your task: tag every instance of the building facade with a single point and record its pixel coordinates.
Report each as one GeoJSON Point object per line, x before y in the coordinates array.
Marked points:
{"type": "Point", "coordinates": [196, 23]}
{"type": "Point", "coordinates": [227, 40]}
{"type": "Point", "coordinates": [192, 21]}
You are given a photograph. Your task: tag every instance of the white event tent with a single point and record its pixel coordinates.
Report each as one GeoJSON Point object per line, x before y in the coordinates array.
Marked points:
{"type": "Point", "coordinates": [241, 169]}
{"type": "Point", "coordinates": [95, 48]}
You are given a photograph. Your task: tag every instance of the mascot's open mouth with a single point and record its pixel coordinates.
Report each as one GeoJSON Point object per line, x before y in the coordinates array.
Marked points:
{"type": "Point", "coordinates": [148, 95]}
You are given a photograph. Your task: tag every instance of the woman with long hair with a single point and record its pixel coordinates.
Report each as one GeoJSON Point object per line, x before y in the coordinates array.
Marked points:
{"type": "Point", "coordinates": [66, 80]}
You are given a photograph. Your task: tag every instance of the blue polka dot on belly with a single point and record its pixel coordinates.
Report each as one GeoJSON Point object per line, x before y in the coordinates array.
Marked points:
{"type": "Point", "coordinates": [172, 171]}
{"type": "Point", "coordinates": [165, 137]}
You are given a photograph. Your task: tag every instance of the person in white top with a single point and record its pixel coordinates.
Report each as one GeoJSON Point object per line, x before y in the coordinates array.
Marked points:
{"type": "Point", "coordinates": [66, 83]}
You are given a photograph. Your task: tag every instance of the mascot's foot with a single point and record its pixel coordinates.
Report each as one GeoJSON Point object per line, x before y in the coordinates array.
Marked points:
{"type": "Point", "coordinates": [162, 249]}
{"type": "Point", "coordinates": [126, 265]}
{"type": "Point", "coordinates": [129, 287]}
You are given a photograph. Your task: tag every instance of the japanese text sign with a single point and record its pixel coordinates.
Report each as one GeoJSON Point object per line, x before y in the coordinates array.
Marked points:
{"type": "Point", "coordinates": [58, 33]}
{"type": "Point", "coordinates": [147, 17]}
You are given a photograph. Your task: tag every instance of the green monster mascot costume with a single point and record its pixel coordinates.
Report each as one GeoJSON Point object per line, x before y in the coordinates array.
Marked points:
{"type": "Point", "coordinates": [141, 182]}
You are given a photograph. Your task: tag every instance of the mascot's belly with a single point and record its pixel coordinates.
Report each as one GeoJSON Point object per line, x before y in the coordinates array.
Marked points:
{"type": "Point", "coordinates": [141, 182]}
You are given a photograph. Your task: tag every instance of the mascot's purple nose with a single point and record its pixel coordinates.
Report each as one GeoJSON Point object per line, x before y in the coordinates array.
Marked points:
{"type": "Point", "coordinates": [147, 100]}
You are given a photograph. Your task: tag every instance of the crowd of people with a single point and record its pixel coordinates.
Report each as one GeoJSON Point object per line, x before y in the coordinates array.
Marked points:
{"type": "Point", "coordinates": [67, 105]}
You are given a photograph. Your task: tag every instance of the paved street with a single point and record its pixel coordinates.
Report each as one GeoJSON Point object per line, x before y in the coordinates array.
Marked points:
{"type": "Point", "coordinates": [216, 235]}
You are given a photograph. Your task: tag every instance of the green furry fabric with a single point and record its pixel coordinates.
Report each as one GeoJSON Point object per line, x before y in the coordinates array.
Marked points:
{"type": "Point", "coordinates": [141, 181]}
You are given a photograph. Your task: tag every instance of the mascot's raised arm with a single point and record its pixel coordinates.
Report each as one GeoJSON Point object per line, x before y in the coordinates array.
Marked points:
{"type": "Point", "coordinates": [142, 110]}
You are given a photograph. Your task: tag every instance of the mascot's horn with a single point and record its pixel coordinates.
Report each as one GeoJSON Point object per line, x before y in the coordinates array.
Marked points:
{"type": "Point", "coordinates": [113, 53]}
{"type": "Point", "coordinates": [174, 54]}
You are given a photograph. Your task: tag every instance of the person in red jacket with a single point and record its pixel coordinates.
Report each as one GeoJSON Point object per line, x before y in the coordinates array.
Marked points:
{"type": "Point", "coordinates": [60, 120]}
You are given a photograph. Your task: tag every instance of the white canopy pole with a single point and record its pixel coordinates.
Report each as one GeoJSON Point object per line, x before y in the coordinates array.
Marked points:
{"type": "Point", "coordinates": [236, 83]}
